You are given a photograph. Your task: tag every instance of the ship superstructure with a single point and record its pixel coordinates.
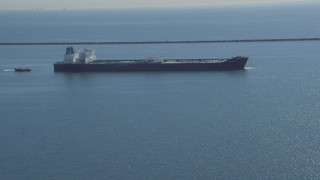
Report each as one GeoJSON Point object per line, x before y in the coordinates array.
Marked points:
{"type": "Point", "coordinates": [83, 56]}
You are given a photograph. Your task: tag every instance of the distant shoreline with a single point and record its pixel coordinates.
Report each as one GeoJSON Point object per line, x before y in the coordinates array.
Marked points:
{"type": "Point", "coordinates": [158, 42]}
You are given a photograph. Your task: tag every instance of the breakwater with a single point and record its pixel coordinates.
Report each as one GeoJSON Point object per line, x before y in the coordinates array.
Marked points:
{"type": "Point", "coordinates": [162, 42]}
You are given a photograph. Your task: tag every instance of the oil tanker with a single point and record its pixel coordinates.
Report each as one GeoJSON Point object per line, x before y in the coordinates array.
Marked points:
{"type": "Point", "coordinates": [85, 61]}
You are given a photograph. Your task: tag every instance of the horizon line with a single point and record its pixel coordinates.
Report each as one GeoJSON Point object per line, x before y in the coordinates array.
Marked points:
{"type": "Point", "coordinates": [192, 5]}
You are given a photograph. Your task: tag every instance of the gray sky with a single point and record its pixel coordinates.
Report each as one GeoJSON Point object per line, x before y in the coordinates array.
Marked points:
{"type": "Point", "coordinates": [71, 4]}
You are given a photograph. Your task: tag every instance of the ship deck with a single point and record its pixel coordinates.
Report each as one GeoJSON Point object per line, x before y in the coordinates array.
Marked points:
{"type": "Point", "coordinates": [163, 61]}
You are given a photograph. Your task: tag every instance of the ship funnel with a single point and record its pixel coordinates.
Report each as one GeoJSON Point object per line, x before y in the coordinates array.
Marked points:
{"type": "Point", "coordinates": [69, 50]}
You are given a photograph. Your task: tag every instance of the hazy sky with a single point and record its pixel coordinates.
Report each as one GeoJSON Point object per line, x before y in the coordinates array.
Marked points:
{"type": "Point", "coordinates": [70, 4]}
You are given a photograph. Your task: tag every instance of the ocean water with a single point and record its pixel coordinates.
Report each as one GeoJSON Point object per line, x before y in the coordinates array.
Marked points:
{"type": "Point", "coordinates": [259, 123]}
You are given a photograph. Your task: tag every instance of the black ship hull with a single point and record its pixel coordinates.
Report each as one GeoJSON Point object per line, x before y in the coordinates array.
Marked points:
{"type": "Point", "coordinates": [237, 63]}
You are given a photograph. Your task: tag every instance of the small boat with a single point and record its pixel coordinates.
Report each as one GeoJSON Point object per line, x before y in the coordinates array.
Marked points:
{"type": "Point", "coordinates": [22, 69]}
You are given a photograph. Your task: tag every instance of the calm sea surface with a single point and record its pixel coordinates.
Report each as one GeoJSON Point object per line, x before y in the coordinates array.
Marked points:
{"type": "Point", "coordinates": [260, 123]}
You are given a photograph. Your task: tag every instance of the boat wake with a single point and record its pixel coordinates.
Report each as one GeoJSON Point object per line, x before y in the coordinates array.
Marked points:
{"type": "Point", "coordinates": [8, 70]}
{"type": "Point", "coordinates": [248, 68]}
